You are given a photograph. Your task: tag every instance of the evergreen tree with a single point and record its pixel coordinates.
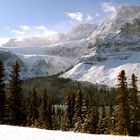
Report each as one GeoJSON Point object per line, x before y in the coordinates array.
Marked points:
{"type": "Point", "coordinates": [70, 102]}
{"type": "Point", "coordinates": [134, 108]}
{"type": "Point", "coordinates": [111, 110]}
{"type": "Point", "coordinates": [50, 112]}
{"type": "Point", "coordinates": [46, 112]}
{"type": "Point", "coordinates": [57, 118]}
{"type": "Point", "coordinates": [111, 119]}
{"type": "Point", "coordinates": [16, 99]}
{"type": "Point", "coordinates": [72, 96]}
{"type": "Point", "coordinates": [122, 111]}
{"type": "Point", "coordinates": [65, 124]}
{"type": "Point", "coordinates": [2, 93]}
{"type": "Point", "coordinates": [28, 109]}
{"type": "Point", "coordinates": [34, 106]}
{"type": "Point", "coordinates": [91, 121]}
{"type": "Point", "coordinates": [78, 125]}
{"type": "Point", "coordinates": [103, 123]}
{"type": "Point", "coordinates": [78, 107]}
{"type": "Point", "coordinates": [68, 117]}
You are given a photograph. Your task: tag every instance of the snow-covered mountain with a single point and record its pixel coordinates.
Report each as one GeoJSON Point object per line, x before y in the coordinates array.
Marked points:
{"type": "Point", "coordinates": [42, 57]}
{"type": "Point", "coordinates": [114, 46]}
{"type": "Point", "coordinates": [96, 53]}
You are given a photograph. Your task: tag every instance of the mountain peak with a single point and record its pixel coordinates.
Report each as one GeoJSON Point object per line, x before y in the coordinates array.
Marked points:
{"type": "Point", "coordinates": [128, 11]}
{"type": "Point", "coordinates": [83, 27]}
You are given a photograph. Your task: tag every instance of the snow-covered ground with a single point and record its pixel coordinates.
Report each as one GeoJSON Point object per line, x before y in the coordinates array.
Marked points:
{"type": "Point", "coordinates": [22, 133]}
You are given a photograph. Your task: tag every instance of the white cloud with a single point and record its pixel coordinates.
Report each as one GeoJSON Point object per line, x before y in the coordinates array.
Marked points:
{"type": "Point", "coordinates": [76, 16]}
{"type": "Point", "coordinates": [24, 27]}
{"type": "Point", "coordinates": [3, 40]}
{"type": "Point", "coordinates": [42, 28]}
{"type": "Point", "coordinates": [22, 32]}
{"type": "Point", "coordinates": [17, 32]}
{"type": "Point", "coordinates": [108, 7]}
{"type": "Point", "coordinates": [49, 32]}
{"type": "Point", "coordinates": [80, 17]}
{"type": "Point", "coordinates": [89, 18]}
{"type": "Point", "coordinates": [97, 15]}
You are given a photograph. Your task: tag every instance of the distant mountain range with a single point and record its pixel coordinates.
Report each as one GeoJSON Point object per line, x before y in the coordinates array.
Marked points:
{"type": "Point", "coordinates": [90, 52]}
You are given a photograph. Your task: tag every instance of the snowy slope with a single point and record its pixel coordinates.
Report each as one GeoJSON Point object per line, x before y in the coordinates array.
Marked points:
{"type": "Point", "coordinates": [115, 46]}
{"type": "Point", "coordinates": [43, 57]}
{"type": "Point", "coordinates": [105, 72]}
{"type": "Point", "coordinates": [16, 133]}
{"type": "Point", "coordinates": [49, 59]}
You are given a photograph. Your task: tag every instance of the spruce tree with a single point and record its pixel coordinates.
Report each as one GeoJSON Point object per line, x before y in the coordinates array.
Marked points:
{"type": "Point", "coordinates": [57, 118]}
{"type": "Point", "coordinates": [111, 119]}
{"type": "Point", "coordinates": [103, 123]}
{"type": "Point", "coordinates": [70, 103]}
{"type": "Point", "coordinates": [2, 93]}
{"type": "Point", "coordinates": [72, 108]}
{"type": "Point", "coordinates": [65, 124]}
{"type": "Point", "coordinates": [28, 109]}
{"type": "Point", "coordinates": [50, 112]}
{"type": "Point", "coordinates": [16, 105]}
{"type": "Point", "coordinates": [68, 117]}
{"type": "Point", "coordinates": [91, 121]}
{"type": "Point", "coordinates": [134, 108]}
{"type": "Point", "coordinates": [34, 106]}
{"type": "Point", "coordinates": [46, 112]}
{"type": "Point", "coordinates": [78, 119]}
{"type": "Point", "coordinates": [78, 107]}
{"type": "Point", "coordinates": [78, 125]}
{"type": "Point", "coordinates": [122, 111]}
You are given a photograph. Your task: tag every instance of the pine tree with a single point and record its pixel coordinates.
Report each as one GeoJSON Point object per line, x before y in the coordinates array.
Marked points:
{"type": "Point", "coordinates": [72, 108]}
{"type": "Point", "coordinates": [111, 119]}
{"type": "Point", "coordinates": [103, 123]}
{"type": "Point", "coordinates": [122, 111]}
{"type": "Point", "coordinates": [50, 112]}
{"type": "Point", "coordinates": [2, 93]}
{"type": "Point", "coordinates": [68, 117]}
{"type": "Point", "coordinates": [65, 124]}
{"type": "Point", "coordinates": [91, 121]}
{"type": "Point", "coordinates": [78, 107]}
{"type": "Point", "coordinates": [57, 118]}
{"type": "Point", "coordinates": [16, 106]}
{"type": "Point", "coordinates": [28, 109]}
{"type": "Point", "coordinates": [78, 125]}
{"type": "Point", "coordinates": [134, 108]}
{"type": "Point", "coordinates": [70, 102]}
{"type": "Point", "coordinates": [34, 106]}
{"type": "Point", "coordinates": [46, 112]}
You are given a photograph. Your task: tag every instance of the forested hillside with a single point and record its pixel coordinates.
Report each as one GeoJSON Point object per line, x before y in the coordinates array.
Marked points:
{"type": "Point", "coordinates": [61, 104]}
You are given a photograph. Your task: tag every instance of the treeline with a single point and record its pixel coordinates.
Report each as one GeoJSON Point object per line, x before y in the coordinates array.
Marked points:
{"type": "Point", "coordinates": [58, 89]}
{"type": "Point", "coordinates": [80, 111]}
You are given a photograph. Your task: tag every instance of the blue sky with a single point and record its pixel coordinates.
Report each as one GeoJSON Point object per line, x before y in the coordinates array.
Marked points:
{"type": "Point", "coordinates": [27, 18]}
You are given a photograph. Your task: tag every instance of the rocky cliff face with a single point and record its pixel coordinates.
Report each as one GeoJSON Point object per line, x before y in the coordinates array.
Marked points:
{"type": "Point", "coordinates": [114, 46]}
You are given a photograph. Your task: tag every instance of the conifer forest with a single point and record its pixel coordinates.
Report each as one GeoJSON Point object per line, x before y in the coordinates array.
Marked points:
{"type": "Point", "coordinates": [54, 103]}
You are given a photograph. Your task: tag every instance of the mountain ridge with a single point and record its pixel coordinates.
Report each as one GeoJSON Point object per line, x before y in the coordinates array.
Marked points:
{"type": "Point", "coordinates": [97, 53]}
